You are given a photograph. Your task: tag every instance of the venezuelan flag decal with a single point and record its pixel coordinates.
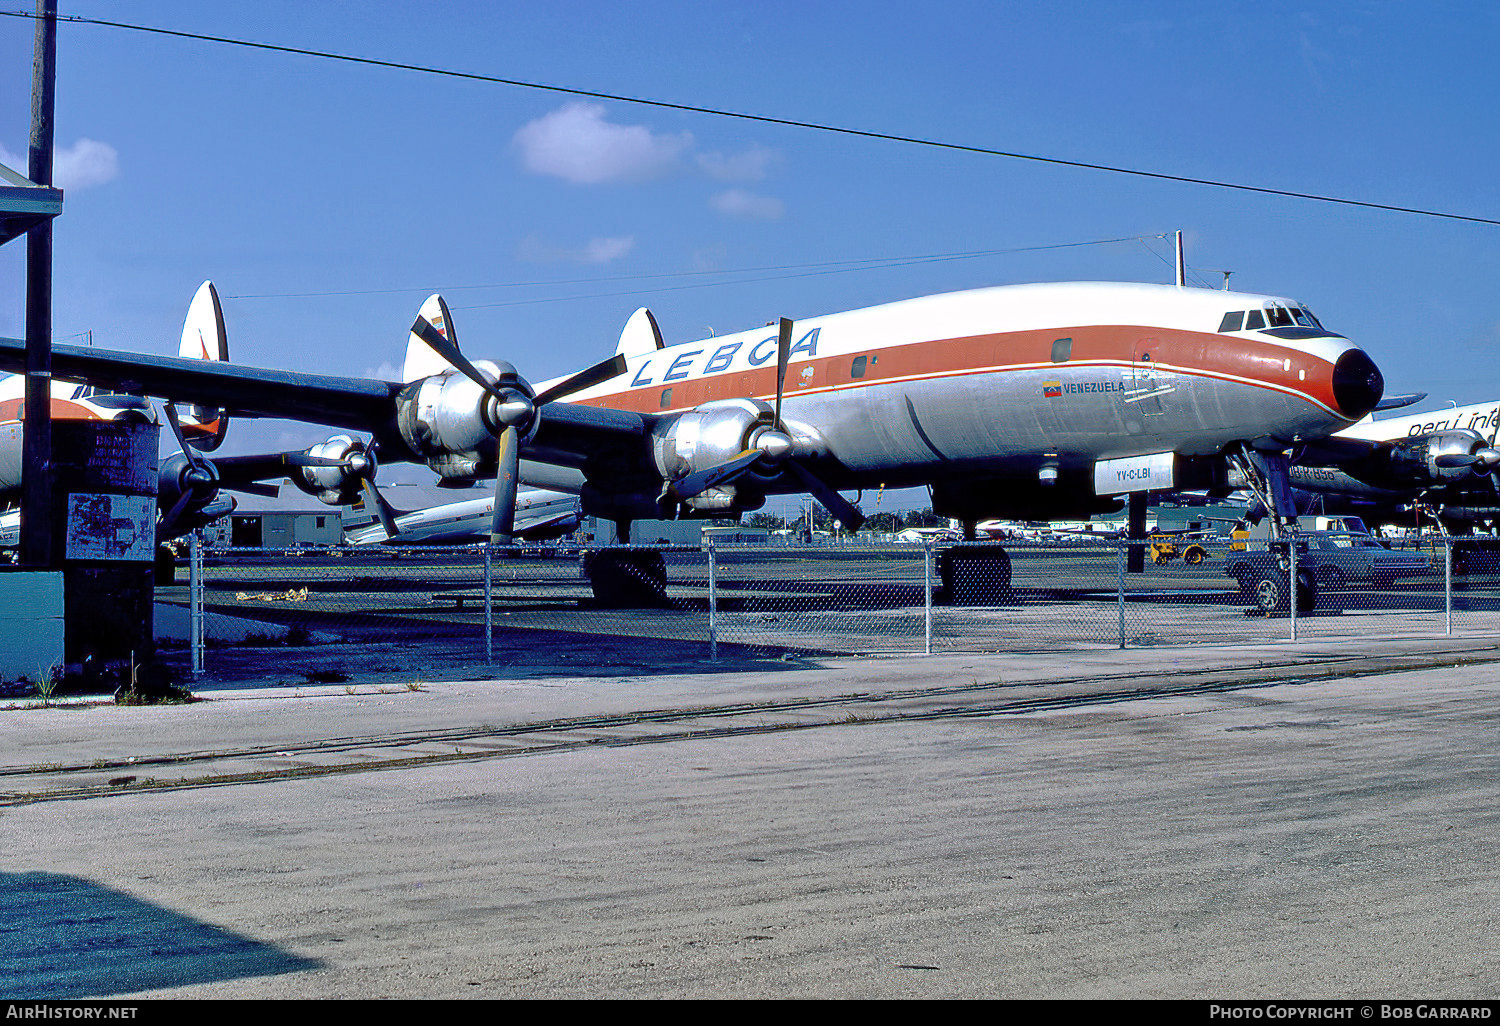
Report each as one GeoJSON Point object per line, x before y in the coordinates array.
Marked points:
{"type": "Point", "coordinates": [1051, 389]}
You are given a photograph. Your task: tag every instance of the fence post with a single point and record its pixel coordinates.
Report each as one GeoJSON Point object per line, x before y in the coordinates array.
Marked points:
{"type": "Point", "coordinates": [1291, 582]}
{"type": "Point", "coordinates": [1448, 585]}
{"type": "Point", "coordinates": [1120, 544]}
{"type": "Point", "coordinates": [195, 602]}
{"type": "Point", "coordinates": [713, 600]}
{"type": "Point", "coordinates": [489, 609]}
{"type": "Point", "coordinates": [927, 596]}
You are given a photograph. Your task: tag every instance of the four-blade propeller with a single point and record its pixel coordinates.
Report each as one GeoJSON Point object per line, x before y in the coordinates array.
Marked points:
{"type": "Point", "coordinates": [512, 412]}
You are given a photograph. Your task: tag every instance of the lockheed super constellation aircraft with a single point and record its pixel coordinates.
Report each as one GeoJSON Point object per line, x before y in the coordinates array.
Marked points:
{"type": "Point", "coordinates": [1022, 402]}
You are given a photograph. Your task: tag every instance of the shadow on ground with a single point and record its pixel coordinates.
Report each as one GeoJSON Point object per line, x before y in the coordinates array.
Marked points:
{"type": "Point", "coordinates": [65, 937]}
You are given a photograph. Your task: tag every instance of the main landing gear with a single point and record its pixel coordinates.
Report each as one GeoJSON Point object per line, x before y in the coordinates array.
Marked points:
{"type": "Point", "coordinates": [627, 578]}
{"type": "Point", "coordinates": [974, 574]}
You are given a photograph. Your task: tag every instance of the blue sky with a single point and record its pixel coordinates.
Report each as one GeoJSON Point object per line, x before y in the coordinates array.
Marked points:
{"type": "Point", "coordinates": [326, 200]}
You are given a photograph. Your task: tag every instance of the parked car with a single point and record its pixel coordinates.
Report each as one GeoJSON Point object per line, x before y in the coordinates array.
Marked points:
{"type": "Point", "coordinates": [1335, 559]}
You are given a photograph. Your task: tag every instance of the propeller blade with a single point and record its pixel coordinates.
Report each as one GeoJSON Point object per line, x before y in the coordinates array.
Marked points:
{"type": "Point", "coordinates": [701, 481]}
{"type": "Point", "coordinates": [164, 529]}
{"type": "Point", "coordinates": [382, 509]}
{"type": "Point", "coordinates": [843, 510]}
{"type": "Point", "coordinates": [508, 456]}
{"type": "Point", "coordinates": [599, 373]}
{"type": "Point", "coordinates": [270, 491]}
{"type": "Point", "coordinates": [175, 423]}
{"type": "Point", "coordinates": [1456, 459]}
{"type": "Point", "coordinates": [783, 355]}
{"type": "Point", "coordinates": [424, 330]}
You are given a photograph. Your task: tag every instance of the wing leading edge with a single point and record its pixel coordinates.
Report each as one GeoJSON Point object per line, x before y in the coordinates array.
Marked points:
{"type": "Point", "coordinates": [359, 403]}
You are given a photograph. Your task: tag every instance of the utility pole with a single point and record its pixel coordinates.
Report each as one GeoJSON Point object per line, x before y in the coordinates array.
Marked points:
{"type": "Point", "coordinates": [36, 475]}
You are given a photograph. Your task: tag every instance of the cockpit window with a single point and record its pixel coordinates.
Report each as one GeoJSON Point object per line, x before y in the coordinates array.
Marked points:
{"type": "Point", "coordinates": [1278, 317]}
{"type": "Point", "coordinates": [1271, 317]}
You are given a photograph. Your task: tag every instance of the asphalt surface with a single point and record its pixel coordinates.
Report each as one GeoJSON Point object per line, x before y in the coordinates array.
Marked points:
{"type": "Point", "coordinates": [1310, 820]}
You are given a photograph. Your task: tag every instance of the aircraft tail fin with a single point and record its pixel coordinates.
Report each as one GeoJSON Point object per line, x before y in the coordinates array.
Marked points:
{"type": "Point", "coordinates": [641, 335]}
{"type": "Point", "coordinates": [422, 361]}
{"type": "Point", "coordinates": [203, 338]}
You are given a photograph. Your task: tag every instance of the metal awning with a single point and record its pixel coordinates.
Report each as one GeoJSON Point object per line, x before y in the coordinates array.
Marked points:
{"type": "Point", "coordinates": [24, 204]}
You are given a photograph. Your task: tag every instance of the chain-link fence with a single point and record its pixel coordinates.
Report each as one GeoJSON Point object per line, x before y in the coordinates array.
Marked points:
{"type": "Point", "coordinates": [847, 598]}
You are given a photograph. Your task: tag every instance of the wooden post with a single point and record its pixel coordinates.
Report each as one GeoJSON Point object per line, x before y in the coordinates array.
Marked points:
{"type": "Point", "coordinates": [37, 513]}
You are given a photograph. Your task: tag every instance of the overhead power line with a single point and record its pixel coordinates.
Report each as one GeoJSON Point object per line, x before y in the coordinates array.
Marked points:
{"type": "Point", "coordinates": [762, 118]}
{"type": "Point", "coordinates": [792, 271]}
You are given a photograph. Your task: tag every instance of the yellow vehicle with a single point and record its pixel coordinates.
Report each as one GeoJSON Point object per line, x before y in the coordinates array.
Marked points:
{"type": "Point", "coordinates": [1167, 547]}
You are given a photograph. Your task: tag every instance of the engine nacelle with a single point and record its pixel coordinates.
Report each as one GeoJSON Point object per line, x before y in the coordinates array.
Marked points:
{"type": "Point", "coordinates": [1417, 460]}
{"type": "Point", "coordinates": [447, 415]}
{"type": "Point", "coordinates": [707, 436]}
{"type": "Point", "coordinates": [178, 475]}
{"type": "Point", "coordinates": [337, 485]}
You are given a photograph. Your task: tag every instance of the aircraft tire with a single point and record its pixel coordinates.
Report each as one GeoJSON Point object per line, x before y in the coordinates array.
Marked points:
{"type": "Point", "coordinates": [976, 575]}
{"type": "Point", "coordinates": [165, 566]}
{"type": "Point", "coordinates": [630, 579]}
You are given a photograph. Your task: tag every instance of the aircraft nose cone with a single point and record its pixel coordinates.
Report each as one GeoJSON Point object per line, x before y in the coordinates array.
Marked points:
{"type": "Point", "coordinates": [1357, 384]}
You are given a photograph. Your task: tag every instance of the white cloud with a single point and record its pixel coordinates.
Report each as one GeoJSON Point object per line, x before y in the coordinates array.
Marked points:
{"type": "Point", "coordinates": [747, 205]}
{"type": "Point", "coordinates": [576, 143]}
{"type": "Point", "coordinates": [85, 164]}
{"type": "Point", "coordinates": [748, 166]}
{"type": "Point", "coordinates": [595, 251]}
{"type": "Point", "coordinates": [603, 251]}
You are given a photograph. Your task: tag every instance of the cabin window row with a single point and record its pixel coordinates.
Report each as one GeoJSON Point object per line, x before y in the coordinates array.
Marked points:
{"type": "Point", "coordinates": [857, 369]}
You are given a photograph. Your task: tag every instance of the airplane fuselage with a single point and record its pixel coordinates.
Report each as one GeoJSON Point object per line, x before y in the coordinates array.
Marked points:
{"type": "Point", "coordinates": [69, 402]}
{"type": "Point", "coordinates": [1002, 381]}
{"type": "Point", "coordinates": [540, 515]}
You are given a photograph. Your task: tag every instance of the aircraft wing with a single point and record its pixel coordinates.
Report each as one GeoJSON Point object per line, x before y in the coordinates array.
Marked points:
{"type": "Point", "coordinates": [567, 434]}
{"type": "Point", "coordinates": [1336, 449]}
{"type": "Point", "coordinates": [570, 435]}
{"type": "Point", "coordinates": [1399, 402]}
{"type": "Point", "coordinates": [356, 403]}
